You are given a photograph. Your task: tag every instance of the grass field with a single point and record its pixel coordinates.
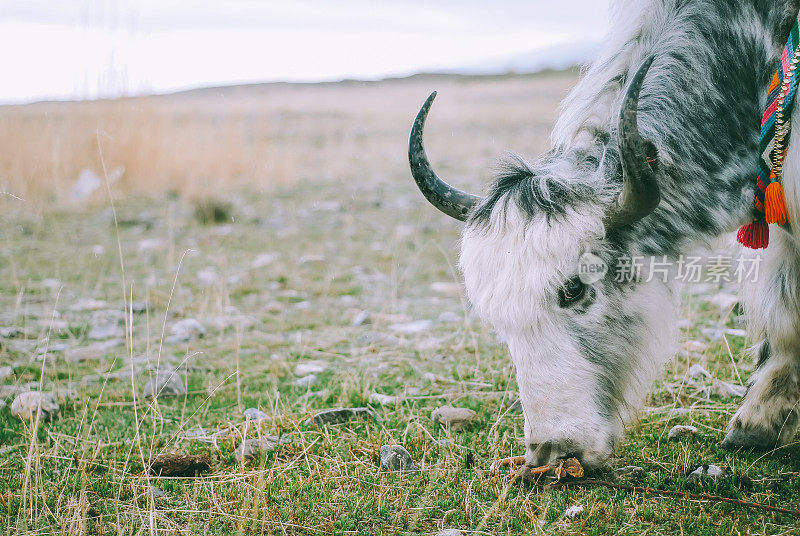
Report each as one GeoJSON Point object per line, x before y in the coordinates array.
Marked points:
{"type": "Point", "coordinates": [305, 251]}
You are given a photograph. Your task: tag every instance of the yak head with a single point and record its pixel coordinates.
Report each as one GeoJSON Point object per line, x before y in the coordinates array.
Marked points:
{"type": "Point", "coordinates": [540, 257]}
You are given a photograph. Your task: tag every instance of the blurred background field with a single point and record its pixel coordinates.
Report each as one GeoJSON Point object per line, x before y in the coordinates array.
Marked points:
{"type": "Point", "coordinates": [213, 141]}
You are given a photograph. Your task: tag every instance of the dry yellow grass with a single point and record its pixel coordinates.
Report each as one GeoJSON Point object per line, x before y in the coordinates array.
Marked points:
{"type": "Point", "coordinates": [215, 140]}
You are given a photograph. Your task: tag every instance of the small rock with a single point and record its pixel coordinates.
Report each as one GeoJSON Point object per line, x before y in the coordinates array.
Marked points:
{"type": "Point", "coordinates": [733, 332]}
{"type": "Point", "coordinates": [264, 259]}
{"type": "Point", "coordinates": [723, 300]}
{"type": "Point", "coordinates": [5, 372]}
{"type": "Point", "coordinates": [360, 319]}
{"type": "Point", "coordinates": [136, 307]}
{"type": "Point", "coordinates": [697, 371]}
{"type": "Point", "coordinates": [681, 431]}
{"type": "Point", "coordinates": [311, 367]}
{"type": "Point", "coordinates": [92, 352]}
{"type": "Point", "coordinates": [10, 333]}
{"type": "Point", "coordinates": [7, 391]}
{"type": "Point", "coordinates": [26, 405]}
{"type": "Point", "coordinates": [306, 381]}
{"type": "Point", "coordinates": [155, 492]}
{"type": "Point", "coordinates": [311, 259]}
{"type": "Point", "coordinates": [630, 472]}
{"type": "Point", "coordinates": [446, 287]}
{"type": "Point", "coordinates": [339, 415]}
{"type": "Point", "coordinates": [714, 472]}
{"type": "Point", "coordinates": [449, 532]}
{"type": "Point", "coordinates": [108, 316]}
{"type": "Point", "coordinates": [695, 346]}
{"type": "Point", "coordinates": [256, 415]}
{"type": "Point", "coordinates": [250, 448]}
{"type": "Point", "coordinates": [516, 406]}
{"type": "Point", "coordinates": [187, 329]}
{"type": "Point", "coordinates": [449, 317]}
{"type": "Point", "coordinates": [238, 322]}
{"type": "Point", "coordinates": [396, 458]}
{"type": "Point", "coordinates": [208, 276]}
{"type": "Point", "coordinates": [166, 383]}
{"type": "Point", "coordinates": [51, 283]}
{"type": "Point", "coordinates": [454, 418]}
{"type": "Point", "coordinates": [728, 390]}
{"type": "Point", "coordinates": [87, 304]}
{"type": "Point", "coordinates": [573, 511]}
{"type": "Point", "coordinates": [103, 332]}
{"type": "Point", "coordinates": [411, 328]}
{"type": "Point", "coordinates": [382, 400]}
{"type": "Point", "coordinates": [66, 393]}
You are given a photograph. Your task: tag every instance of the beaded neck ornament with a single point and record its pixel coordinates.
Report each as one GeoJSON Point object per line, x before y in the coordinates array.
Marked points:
{"type": "Point", "coordinates": [776, 126]}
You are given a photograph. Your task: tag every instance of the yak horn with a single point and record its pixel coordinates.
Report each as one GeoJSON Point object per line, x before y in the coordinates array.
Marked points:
{"type": "Point", "coordinates": [640, 167]}
{"type": "Point", "coordinates": [441, 195]}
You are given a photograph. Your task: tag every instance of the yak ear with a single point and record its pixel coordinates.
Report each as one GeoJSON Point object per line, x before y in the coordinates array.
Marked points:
{"type": "Point", "coordinates": [441, 195]}
{"type": "Point", "coordinates": [641, 170]}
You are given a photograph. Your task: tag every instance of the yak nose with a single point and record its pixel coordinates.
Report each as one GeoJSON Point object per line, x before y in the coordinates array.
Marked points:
{"type": "Point", "coordinates": [547, 453]}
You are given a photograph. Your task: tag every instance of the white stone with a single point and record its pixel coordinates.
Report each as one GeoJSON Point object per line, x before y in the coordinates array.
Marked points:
{"type": "Point", "coordinates": [681, 431]}
{"type": "Point", "coordinates": [411, 328]}
{"type": "Point", "coordinates": [104, 332]}
{"type": "Point", "coordinates": [250, 448]}
{"type": "Point", "coordinates": [454, 418]}
{"type": "Point", "coordinates": [449, 317]}
{"type": "Point", "coordinates": [360, 319]}
{"type": "Point", "coordinates": [27, 404]}
{"type": "Point", "coordinates": [187, 329]}
{"type": "Point", "coordinates": [697, 371]}
{"type": "Point", "coordinates": [723, 300]}
{"type": "Point", "coordinates": [234, 321]}
{"type": "Point", "coordinates": [88, 304]}
{"type": "Point", "coordinates": [382, 400]}
{"type": "Point", "coordinates": [264, 259]}
{"type": "Point", "coordinates": [725, 389]}
{"type": "Point", "coordinates": [310, 367]}
{"type": "Point", "coordinates": [573, 511]}
{"type": "Point", "coordinates": [256, 415]}
{"type": "Point", "coordinates": [166, 383]}
{"type": "Point", "coordinates": [396, 458]}
{"type": "Point", "coordinates": [446, 287]}
{"type": "Point", "coordinates": [306, 381]}
{"type": "Point", "coordinates": [5, 372]}
{"type": "Point", "coordinates": [695, 346]}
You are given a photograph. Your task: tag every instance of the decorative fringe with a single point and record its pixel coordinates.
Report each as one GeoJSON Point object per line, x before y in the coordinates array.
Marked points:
{"type": "Point", "coordinates": [775, 209]}
{"type": "Point", "coordinates": [754, 235]}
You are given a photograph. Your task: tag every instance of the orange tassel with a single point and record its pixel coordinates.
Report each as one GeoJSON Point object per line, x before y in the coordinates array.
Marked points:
{"type": "Point", "coordinates": [775, 204]}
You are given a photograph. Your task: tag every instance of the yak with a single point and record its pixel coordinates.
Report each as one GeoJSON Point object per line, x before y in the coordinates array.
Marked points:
{"type": "Point", "coordinates": [654, 154]}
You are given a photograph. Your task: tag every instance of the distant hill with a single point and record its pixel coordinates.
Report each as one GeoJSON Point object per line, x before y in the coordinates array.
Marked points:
{"type": "Point", "coordinates": [554, 58]}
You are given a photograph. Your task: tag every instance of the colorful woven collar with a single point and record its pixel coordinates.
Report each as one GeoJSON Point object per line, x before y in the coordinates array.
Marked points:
{"type": "Point", "coordinates": [776, 126]}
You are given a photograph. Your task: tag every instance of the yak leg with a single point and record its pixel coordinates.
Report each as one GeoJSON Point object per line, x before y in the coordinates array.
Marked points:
{"type": "Point", "coordinates": [770, 413]}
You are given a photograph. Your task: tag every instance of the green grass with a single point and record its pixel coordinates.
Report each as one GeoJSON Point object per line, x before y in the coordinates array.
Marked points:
{"type": "Point", "coordinates": [84, 472]}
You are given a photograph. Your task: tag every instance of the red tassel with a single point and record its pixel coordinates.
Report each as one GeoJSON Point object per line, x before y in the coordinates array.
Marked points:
{"type": "Point", "coordinates": [754, 235]}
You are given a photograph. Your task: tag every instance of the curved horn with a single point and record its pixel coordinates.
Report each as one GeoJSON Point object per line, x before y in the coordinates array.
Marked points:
{"type": "Point", "coordinates": [441, 195]}
{"type": "Point", "coordinates": [640, 175]}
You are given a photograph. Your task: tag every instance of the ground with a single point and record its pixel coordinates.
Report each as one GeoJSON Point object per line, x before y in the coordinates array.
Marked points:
{"type": "Point", "coordinates": [319, 291]}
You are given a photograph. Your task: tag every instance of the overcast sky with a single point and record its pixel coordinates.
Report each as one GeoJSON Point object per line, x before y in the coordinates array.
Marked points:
{"type": "Point", "coordinates": [89, 48]}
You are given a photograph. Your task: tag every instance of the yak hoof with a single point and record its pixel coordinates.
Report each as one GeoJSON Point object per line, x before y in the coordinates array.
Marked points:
{"type": "Point", "coordinates": [749, 439]}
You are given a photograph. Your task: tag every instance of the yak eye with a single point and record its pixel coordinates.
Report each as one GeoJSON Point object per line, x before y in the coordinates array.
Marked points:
{"type": "Point", "coordinates": [572, 291]}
